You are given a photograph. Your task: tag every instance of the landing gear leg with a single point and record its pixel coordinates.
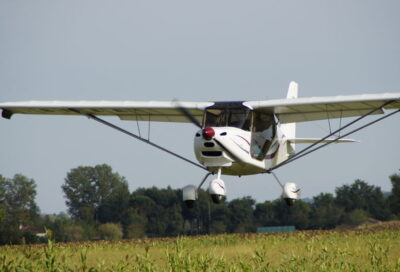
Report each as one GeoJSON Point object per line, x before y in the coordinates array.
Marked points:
{"type": "Point", "coordinates": [277, 180]}
{"type": "Point", "coordinates": [189, 192]}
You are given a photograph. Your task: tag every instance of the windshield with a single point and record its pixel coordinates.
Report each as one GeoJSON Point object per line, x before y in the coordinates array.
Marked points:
{"type": "Point", "coordinates": [239, 118]}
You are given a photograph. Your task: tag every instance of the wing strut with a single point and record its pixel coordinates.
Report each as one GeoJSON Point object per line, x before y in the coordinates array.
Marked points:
{"type": "Point", "coordinates": [303, 152]}
{"type": "Point", "coordinates": [91, 116]}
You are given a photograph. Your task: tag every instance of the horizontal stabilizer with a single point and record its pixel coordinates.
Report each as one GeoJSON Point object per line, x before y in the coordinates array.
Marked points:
{"type": "Point", "coordinates": [314, 140]}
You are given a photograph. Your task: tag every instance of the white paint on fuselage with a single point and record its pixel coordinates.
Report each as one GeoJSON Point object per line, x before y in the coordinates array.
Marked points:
{"type": "Point", "coordinates": [235, 156]}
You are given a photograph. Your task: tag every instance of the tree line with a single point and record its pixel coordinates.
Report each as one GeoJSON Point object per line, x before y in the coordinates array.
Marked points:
{"type": "Point", "coordinates": [100, 206]}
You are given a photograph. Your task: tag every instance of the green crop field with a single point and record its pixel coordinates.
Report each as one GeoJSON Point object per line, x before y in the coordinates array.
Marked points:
{"type": "Point", "coordinates": [371, 249]}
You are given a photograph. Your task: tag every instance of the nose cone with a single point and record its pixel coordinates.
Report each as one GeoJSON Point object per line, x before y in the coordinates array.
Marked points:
{"type": "Point", "coordinates": [208, 133]}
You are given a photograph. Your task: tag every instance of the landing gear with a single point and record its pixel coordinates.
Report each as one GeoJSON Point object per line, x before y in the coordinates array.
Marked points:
{"type": "Point", "coordinates": [289, 201]}
{"type": "Point", "coordinates": [216, 190]}
{"type": "Point", "coordinates": [217, 198]}
{"type": "Point", "coordinates": [290, 193]}
{"type": "Point", "coordinates": [189, 193]}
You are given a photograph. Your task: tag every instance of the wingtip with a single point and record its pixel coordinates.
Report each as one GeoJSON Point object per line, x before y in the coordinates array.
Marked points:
{"type": "Point", "coordinates": [6, 114]}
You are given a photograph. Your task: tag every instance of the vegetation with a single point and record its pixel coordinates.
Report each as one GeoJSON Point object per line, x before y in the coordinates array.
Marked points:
{"type": "Point", "coordinates": [17, 207]}
{"type": "Point", "coordinates": [362, 250]}
{"type": "Point", "coordinates": [101, 206]}
{"type": "Point", "coordinates": [110, 231]}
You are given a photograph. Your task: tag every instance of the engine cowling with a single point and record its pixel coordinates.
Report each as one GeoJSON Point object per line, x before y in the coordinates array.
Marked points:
{"type": "Point", "coordinates": [217, 190]}
{"type": "Point", "coordinates": [290, 193]}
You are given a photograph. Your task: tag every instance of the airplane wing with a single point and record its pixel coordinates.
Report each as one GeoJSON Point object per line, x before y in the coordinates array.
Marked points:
{"type": "Point", "coordinates": [320, 108]}
{"type": "Point", "coordinates": [125, 110]}
{"type": "Point", "coordinates": [287, 110]}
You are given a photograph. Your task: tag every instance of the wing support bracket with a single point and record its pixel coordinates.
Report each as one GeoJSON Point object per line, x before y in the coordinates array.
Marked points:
{"type": "Point", "coordinates": [95, 118]}
{"type": "Point", "coordinates": [310, 148]}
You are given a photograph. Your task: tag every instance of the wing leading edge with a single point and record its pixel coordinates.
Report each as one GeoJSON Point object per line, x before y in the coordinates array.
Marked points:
{"type": "Point", "coordinates": [320, 108]}
{"type": "Point", "coordinates": [125, 110]}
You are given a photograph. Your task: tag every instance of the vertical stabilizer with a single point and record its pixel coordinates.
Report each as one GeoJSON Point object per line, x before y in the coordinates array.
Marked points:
{"type": "Point", "coordinates": [289, 130]}
{"type": "Point", "coordinates": [293, 90]}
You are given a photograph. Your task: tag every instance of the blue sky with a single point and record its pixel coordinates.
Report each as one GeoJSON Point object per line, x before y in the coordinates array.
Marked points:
{"type": "Point", "coordinates": [194, 51]}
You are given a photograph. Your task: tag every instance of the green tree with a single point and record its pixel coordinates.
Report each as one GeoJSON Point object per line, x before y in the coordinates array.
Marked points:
{"type": "Point", "coordinates": [360, 195]}
{"type": "Point", "coordinates": [264, 214]}
{"type": "Point", "coordinates": [150, 212]}
{"type": "Point", "coordinates": [197, 219]}
{"type": "Point", "coordinates": [142, 204]}
{"type": "Point", "coordinates": [161, 210]}
{"type": "Point", "coordinates": [220, 218]}
{"type": "Point", "coordinates": [326, 213]}
{"type": "Point", "coordinates": [2, 198]}
{"type": "Point", "coordinates": [241, 214]}
{"type": "Point", "coordinates": [297, 215]}
{"type": "Point", "coordinates": [96, 194]}
{"type": "Point", "coordinates": [18, 206]}
{"type": "Point", "coordinates": [394, 198]}
{"type": "Point", "coordinates": [110, 231]}
{"type": "Point", "coordinates": [115, 207]}
{"type": "Point", "coordinates": [73, 233]}
{"type": "Point", "coordinates": [204, 208]}
{"type": "Point", "coordinates": [137, 226]}
{"type": "Point", "coordinates": [355, 217]}
{"type": "Point", "coordinates": [64, 228]}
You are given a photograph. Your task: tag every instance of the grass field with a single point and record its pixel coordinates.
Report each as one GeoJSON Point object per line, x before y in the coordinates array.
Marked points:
{"type": "Point", "coordinates": [369, 249]}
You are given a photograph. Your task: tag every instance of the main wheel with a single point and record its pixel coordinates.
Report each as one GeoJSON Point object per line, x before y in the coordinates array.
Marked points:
{"type": "Point", "coordinates": [217, 198]}
{"type": "Point", "coordinates": [189, 203]}
{"type": "Point", "coordinates": [189, 195]}
{"type": "Point", "coordinates": [289, 201]}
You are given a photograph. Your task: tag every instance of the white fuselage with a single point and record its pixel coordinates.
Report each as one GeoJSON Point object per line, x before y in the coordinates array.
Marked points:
{"type": "Point", "coordinates": [230, 150]}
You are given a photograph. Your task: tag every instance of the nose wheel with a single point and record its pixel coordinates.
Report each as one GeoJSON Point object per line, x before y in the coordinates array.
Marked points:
{"type": "Point", "coordinates": [217, 198]}
{"type": "Point", "coordinates": [217, 189]}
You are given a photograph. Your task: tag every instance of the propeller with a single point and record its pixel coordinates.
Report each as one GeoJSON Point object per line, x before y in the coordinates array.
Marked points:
{"type": "Point", "coordinates": [187, 114]}
{"type": "Point", "coordinates": [228, 151]}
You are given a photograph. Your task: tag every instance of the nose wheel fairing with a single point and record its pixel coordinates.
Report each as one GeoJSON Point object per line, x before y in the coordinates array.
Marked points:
{"type": "Point", "coordinates": [217, 189]}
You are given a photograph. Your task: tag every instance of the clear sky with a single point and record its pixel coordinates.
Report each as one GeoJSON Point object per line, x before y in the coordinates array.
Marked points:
{"type": "Point", "coordinates": [192, 51]}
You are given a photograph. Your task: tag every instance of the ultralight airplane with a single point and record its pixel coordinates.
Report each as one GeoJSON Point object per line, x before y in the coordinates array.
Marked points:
{"type": "Point", "coordinates": [234, 138]}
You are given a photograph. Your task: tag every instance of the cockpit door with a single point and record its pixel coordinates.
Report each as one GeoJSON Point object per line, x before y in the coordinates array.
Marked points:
{"type": "Point", "coordinates": [262, 133]}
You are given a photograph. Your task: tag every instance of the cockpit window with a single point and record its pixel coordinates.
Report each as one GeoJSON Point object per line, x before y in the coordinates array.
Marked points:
{"type": "Point", "coordinates": [240, 118]}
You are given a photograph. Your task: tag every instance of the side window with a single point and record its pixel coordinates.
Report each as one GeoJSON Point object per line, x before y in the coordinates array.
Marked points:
{"type": "Point", "coordinates": [247, 122]}
{"type": "Point", "coordinates": [263, 132]}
